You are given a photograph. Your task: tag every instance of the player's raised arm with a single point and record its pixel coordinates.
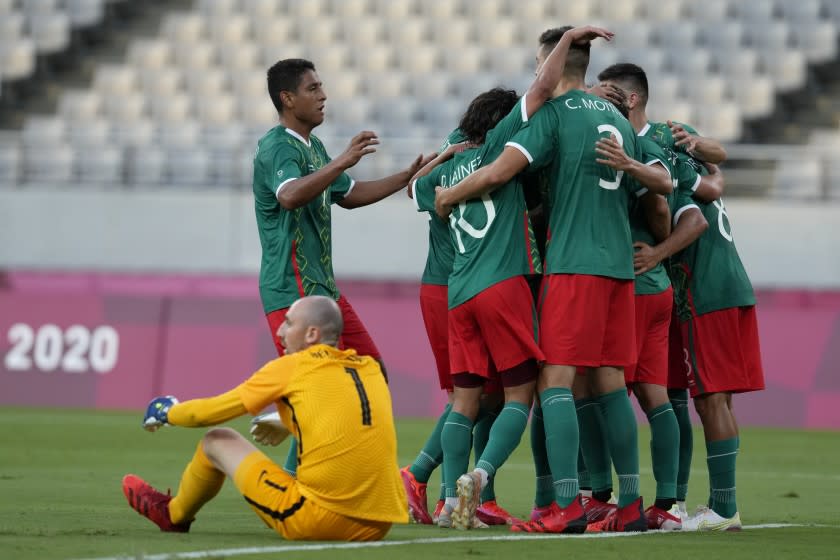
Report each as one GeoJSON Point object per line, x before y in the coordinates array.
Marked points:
{"type": "Point", "coordinates": [700, 147]}
{"type": "Point", "coordinates": [368, 192]}
{"type": "Point", "coordinates": [710, 187]}
{"type": "Point", "coordinates": [657, 215]}
{"type": "Point", "coordinates": [502, 170]}
{"type": "Point", "coordinates": [551, 71]}
{"type": "Point", "coordinates": [301, 191]}
{"type": "Point", "coordinates": [654, 177]}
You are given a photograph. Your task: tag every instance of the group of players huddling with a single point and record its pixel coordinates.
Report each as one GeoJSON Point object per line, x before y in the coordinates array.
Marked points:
{"type": "Point", "coordinates": [577, 253]}
{"type": "Point", "coordinates": [638, 262]}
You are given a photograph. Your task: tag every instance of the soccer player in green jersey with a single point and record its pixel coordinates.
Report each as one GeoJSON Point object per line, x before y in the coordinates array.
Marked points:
{"type": "Point", "coordinates": [632, 81]}
{"type": "Point", "coordinates": [295, 183]}
{"type": "Point", "coordinates": [587, 308]}
{"type": "Point", "coordinates": [490, 325]}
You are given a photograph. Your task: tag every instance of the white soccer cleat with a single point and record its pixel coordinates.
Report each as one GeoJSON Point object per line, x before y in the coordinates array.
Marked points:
{"type": "Point", "coordinates": [469, 495]}
{"type": "Point", "coordinates": [706, 519]}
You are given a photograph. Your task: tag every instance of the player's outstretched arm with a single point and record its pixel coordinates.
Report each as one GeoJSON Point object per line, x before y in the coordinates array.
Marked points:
{"type": "Point", "coordinates": [657, 215]}
{"type": "Point", "coordinates": [655, 177]}
{"type": "Point", "coordinates": [194, 413]}
{"type": "Point", "coordinates": [509, 163]}
{"type": "Point", "coordinates": [368, 192]}
{"type": "Point", "coordinates": [442, 157]}
{"type": "Point", "coordinates": [301, 191]}
{"type": "Point", "coordinates": [551, 72]}
{"type": "Point", "coordinates": [710, 187]}
{"type": "Point", "coordinates": [690, 225]}
{"type": "Point", "coordinates": [700, 147]}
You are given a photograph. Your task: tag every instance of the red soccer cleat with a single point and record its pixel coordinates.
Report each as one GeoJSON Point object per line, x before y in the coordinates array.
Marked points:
{"type": "Point", "coordinates": [570, 519]}
{"type": "Point", "coordinates": [151, 504]}
{"type": "Point", "coordinates": [416, 493]}
{"type": "Point", "coordinates": [493, 514]}
{"type": "Point", "coordinates": [539, 512]}
{"type": "Point", "coordinates": [665, 520]}
{"type": "Point", "coordinates": [596, 510]}
{"type": "Point", "coordinates": [630, 518]}
{"type": "Point", "coordinates": [438, 509]}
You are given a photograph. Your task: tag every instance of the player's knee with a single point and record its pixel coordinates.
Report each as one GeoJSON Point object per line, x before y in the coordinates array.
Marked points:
{"type": "Point", "coordinates": [710, 404]}
{"type": "Point", "coordinates": [217, 438]}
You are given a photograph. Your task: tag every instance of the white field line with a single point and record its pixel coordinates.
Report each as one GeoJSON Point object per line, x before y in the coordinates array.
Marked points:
{"type": "Point", "coordinates": [225, 552]}
{"type": "Point", "coordinates": [760, 474]}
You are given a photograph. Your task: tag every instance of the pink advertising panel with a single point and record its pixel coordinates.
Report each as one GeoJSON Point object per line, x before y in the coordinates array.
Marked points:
{"type": "Point", "coordinates": [117, 340]}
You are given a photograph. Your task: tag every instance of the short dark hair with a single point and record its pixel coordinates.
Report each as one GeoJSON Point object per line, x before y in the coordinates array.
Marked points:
{"type": "Point", "coordinates": [286, 75]}
{"type": "Point", "coordinates": [577, 61]}
{"type": "Point", "coordinates": [485, 112]}
{"type": "Point", "coordinates": [631, 76]}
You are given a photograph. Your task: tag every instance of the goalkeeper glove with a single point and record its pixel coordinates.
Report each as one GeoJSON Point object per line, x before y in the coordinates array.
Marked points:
{"type": "Point", "coordinates": [157, 413]}
{"type": "Point", "coordinates": [267, 429]}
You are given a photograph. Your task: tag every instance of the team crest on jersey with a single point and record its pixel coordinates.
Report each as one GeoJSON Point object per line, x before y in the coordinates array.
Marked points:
{"type": "Point", "coordinates": [279, 173]}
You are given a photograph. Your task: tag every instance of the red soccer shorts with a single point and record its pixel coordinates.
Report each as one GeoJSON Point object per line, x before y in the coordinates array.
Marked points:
{"type": "Point", "coordinates": [678, 363]}
{"type": "Point", "coordinates": [495, 330]}
{"type": "Point", "coordinates": [587, 321]}
{"type": "Point", "coordinates": [434, 306]}
{"type": "Point", "coordinates": [653, 317]}
{"type": "Point", "coordinates": [353, 336]}
{"type": "Point", "coordinates": [724, 353]}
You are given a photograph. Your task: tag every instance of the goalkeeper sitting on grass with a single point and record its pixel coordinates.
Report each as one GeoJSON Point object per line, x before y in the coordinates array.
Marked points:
{"type": "Point", "coordinates": [338, 406]}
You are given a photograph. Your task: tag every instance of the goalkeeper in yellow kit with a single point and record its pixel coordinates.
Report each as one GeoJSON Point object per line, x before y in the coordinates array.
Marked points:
{"type": "Point", "coordinates": [336, 404]}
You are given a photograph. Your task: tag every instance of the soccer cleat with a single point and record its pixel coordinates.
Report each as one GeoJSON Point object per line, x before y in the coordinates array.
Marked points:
{"type": "Point", "coordinates": [438, 509]}
{"type": "Point", "coordinates": [468, 488]}
{"type": "Point", "coordinates": [151, 504]}
{"type": "Point", "coordinates": [539, 512]}
{"type": "Point", "coordinates": [596, 510]}
{"type": "Point", "coordinates": [665, 520]}
{"type": "Point", "coordinates": [444, 517]}
{"type": "Point", "coordinates": [630, 518]}
{"type": "Point", "coordinates": [416, 493]}
{"type": "Point", "coordinates": [707, 519]}
{"type": "Point", "coordinates": [492, 513]}
{"type": "Point", "coordinates": [681, 508]}
{"type": "Point", "coordinates": [570, 519]}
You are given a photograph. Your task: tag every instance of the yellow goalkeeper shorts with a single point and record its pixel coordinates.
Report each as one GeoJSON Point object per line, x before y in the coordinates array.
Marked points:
{"type": "Point", "coordinates": [275, 496]}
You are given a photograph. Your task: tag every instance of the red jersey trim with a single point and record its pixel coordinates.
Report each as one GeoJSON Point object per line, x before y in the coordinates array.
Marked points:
{"type": "Point", "coordinates": [528, 247]}
{"type": "Point", "coordinates": [297, 269]}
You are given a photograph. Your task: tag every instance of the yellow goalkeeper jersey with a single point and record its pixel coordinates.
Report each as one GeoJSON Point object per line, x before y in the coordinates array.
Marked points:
{"type": "Point", "coordinates": [338, 406]}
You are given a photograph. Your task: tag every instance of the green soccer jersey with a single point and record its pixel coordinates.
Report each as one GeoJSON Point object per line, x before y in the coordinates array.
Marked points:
{"type": "Point", "coordinates": [441, 251]}
{"type": "Point", "coordinates": [492, 235]}
{"type": "Point", "coordinates": [656, 280]}
{"type": "Point", "coordinates": [661, 134]}
{"type": "Point", "coordinates": [588, 224]}
{"type": "Point", "coordinates": [296, 244]}
{"type": "Point", "coordinates": [708, 274]}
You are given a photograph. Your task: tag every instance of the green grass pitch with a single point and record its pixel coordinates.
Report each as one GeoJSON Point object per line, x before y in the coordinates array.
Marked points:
{"type": "Point", "coordinates": [60, 498]}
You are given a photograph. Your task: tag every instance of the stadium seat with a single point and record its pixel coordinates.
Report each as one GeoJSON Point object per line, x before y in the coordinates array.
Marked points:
{"type": "Point", "coordinates": [188, 166]}
{"type": "Point", "coordinates": [186, 27]}
{"type": "Point", "coordinates": [704, 89]}
{"type": "Point", "coordinates": [85, 13]}
{"type": "Point", "coordinates": [799, 179]}
{"type": "Point", "coordinates": [453, 33]}
{"type": "Point", "coordinates": [624, 11]}
{"type": "Point", "coordinates": [217, 7]}
{"type": "Point", "coordinates": [498, 33]}
{"type": "Point", "coordinates": [430, 85]}
{"type": "Point", "coordinates": [441, 11]}
{"type": "Point", "coordinates": [485, 9]}
{"type": "Point", "coordinates": [177, 135]}
{"type": "Point", "coordinates": [651, 60]}
{"type": "Point", "coordinates": [801, 11]}
{"type": "Point", "coordinates": [443, 113]}
{"type": "Point", "coordinates": [258, 111]}
{"type": "Point", "coordinates": [817, 40]}
{"type": "Point", "coordinates": [17, 59]}
{"type": "Point", "coordinates": [350, 9]}
{"type": "Point", "coordinates": [330, 59]}
{"type": "Point", "coordinates": [215, 109]}
{"type": "Point", "coordinates": [146, 165]}
{"type": "Point", "coordinates": [363, 33]}
{"type": "Point", "coordinates": [408, 33]}
{"type": "Point", "coordinates": [190, 56]}
{"type": "Point", "coordinates": [49, 31]}
{"type": "Point", "coordinates": [787, 68]}
{"type": "Point", "coordinates": [89, 132]}
{"type": "Point", "coordinates": [261, 10]}
{"type": "Point", "coordinates": [676, 34]}
{"type": "Point", "coordinates": [754, 10]}
{"type": "Point", "coordinates": [344, 85]}
{"type": "Point", "coordinates": [756, 97]}
{"type": "Point", "coordinates": [537, 10]}
{"type": "Point", "coordinates": [160, 82]}
{"type": "Point", "coordinates": [43, 130]}
{"type": "Point", "coordinates": [115, 79]}
{"type": "Point", "coordinates": [274, 32]}
{"type": "Point", "coordinates": [464, 61]}
{"type": "Point", "coordinates": [79, 104]}
{"type": "Point", "coordinates": [149, 53]}
{"type": "Point", "coordinates": [723, 36]}
{"type": "Point", "coordinates": [39, 7]}
{"type": "Point", "coordinates": [721, 121]}
{"type": "Point", "coordinates": [395, 10]}
{"type": "Point", "coordinates": [372, 58]}
{"type": "Point", "coordinates": [657, 10]}
{"type": "Point", "coordinates": [419, 61]}
{"type": "Point", "coordinates": [509, 61]}
{"type": "Point", "coordinates": [397, 111]}
{"type": "Point", "coordinates": [10, 163]}
{"type": "Point", "coordinates": [319, 31]}
{"type": "Point", "coordinates": [102, 164]}
{"type": "Point", "coordinates": [689, 62]}
{"type": "Point", "coordinates": [771, 35]}
{"type": "Point", "coordinates": [11, 26]}
{"type": "Point", "coordinates": [173, 108]}
{"type": "Point", "coordinates": [635, 34]}
{"type": "Point", "coordinates": [708, 10]}
{"type": "Point", "coordinates": [736, 64]}
{"type": "Point", "coordinates": [676, 110]}
{"type": "Point", "coordinates": [228, 29]}
{"type": "Point", "coordinates": [356, 112]}
{"type": "Point", "coordinates": [386, 85]}
{"type": "Point", "coordinates": [141, 132]}
{"type": "Point", "coordinates": [209, 81]}
{"type": "Point", "coordinates": [249, 83]}
{"type": "Point", "coordinates": [57, 169]}
{"type": "Point", "coordinates": [239, 56]}
{"type": "Point", "coordinates": [311, 9]}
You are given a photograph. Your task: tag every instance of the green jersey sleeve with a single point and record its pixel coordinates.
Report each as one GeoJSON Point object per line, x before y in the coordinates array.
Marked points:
{"type": "Point", "coordinates": [424, 189]}
{"type": "Point", "coordinates": [287, 164]}
{"type": "Point", "coordinates": [538, 141]}
{"type": "Point", "coordinates": [341, 187]}
{"type": "Point", "coordinates": [454, 137]}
